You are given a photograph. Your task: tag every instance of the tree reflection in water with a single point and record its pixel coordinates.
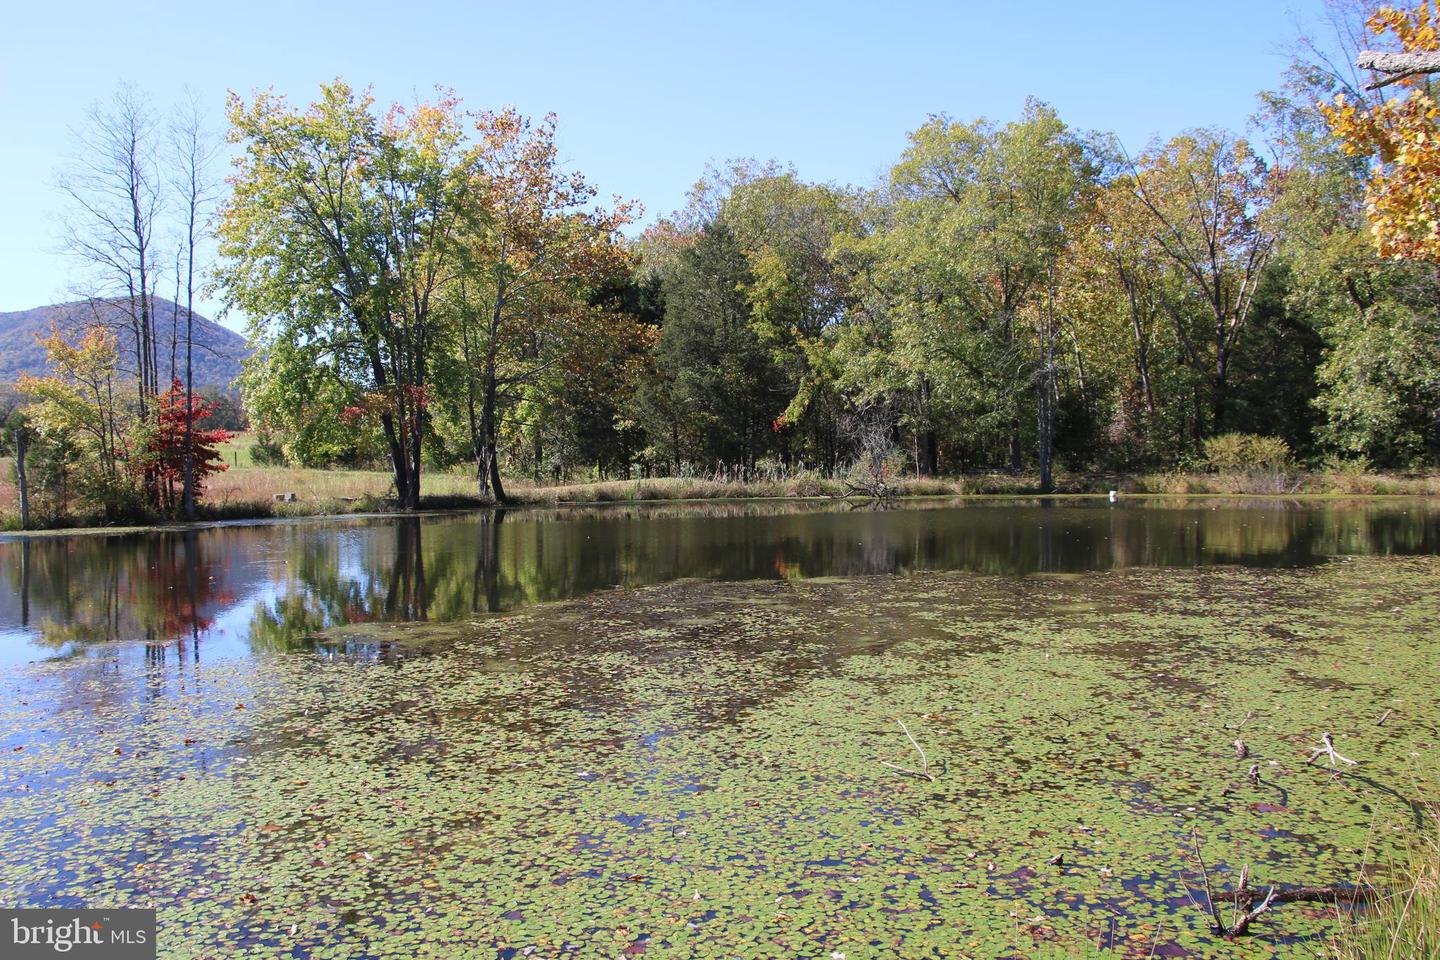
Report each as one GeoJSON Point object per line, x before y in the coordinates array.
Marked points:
{"type": "Point", "coordinates": [282, 586]}
{"type": "Point", "coordinates": [162, 589]}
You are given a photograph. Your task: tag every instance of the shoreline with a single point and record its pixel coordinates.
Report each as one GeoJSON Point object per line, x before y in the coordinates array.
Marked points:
{"type": "Point", "coordinates": [550, 498]}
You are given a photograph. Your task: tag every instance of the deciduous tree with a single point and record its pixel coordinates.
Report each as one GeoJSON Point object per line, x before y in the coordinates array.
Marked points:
{"type": "Point", "coordinates": [1207, 192]}
{"type": "Point", "coordinates": [982, 218]}
{"type": "Point", "coordinates": [116, 190]}
{"type": "Point", "coordinates": [86, 416]}
{"type": "Point", "coordinates": [337, 241]}
{"type": "Point", "coordinates": [181, 454]}
{"type": "Point", "coordinates": [1402, 135]}
{"type": "Point", "coordinates": [532, 254]}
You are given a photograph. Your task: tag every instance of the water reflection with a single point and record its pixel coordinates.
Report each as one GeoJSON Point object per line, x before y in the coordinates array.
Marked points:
{"type": "Point", "coordinates": [242, 589]}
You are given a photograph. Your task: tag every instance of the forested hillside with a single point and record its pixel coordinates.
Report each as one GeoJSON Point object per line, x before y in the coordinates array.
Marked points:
{"type": "Point", "coordinates": [218, 351]}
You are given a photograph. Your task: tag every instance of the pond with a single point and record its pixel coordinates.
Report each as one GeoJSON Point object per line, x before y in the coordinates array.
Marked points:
{"type": "Point", "coordinates": [663, 731]}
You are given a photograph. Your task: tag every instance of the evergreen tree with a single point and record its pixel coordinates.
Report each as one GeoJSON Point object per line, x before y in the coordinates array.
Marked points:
{"type": "Point", "coordinates": [716, 393]}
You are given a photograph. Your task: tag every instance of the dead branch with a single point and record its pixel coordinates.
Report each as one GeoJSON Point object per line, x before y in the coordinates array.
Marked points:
{"type": "Point", "coordinates": [924, 771]}
{"type": "Point", "coordinates": [874, 489]}
{"type": "Point", "coordinates": [1396, 66]}
{"type": "Point", "coordinates": [1383, 717]}
{"type": "Point", "coordinates": [1327, 750]}
{"type": "Point", "coordinates": [1242, 885]}
{"type": "Point", "coordinates": [1334, 893]}
{"type": "Point", "coordinates": [873, 432]}
{"type": "Point", "coordinates": [1248, 904]}
{"type": "Point", "coordinates": [1215, 918]}
{"type": "Point", "coordinates": [1244, 922]}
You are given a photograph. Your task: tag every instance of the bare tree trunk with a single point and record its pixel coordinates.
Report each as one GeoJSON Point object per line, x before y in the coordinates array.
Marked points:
{"type": "Point", "coordinates": [1221, 403]}
{"type": "Point", "coordinates": [478, 448]}
{"type": "Point", "coordinates": [174, 323]}
{"type": "Point", "coordinates": [417, 438]}
{"type": "Point", "coordinates": [397, 457]}
{"type": "Point", "coordinates": [1045, 390]}
{"type": "Point", "coordinates": [20, 479]}
{"type": "Point", "coordinates": [116, 197]}
{"type": "Point", "coordinates": [1045, 415]}
{"type": "Point", "coordinates": [393, 442]}
{"type": "Point", "coordinates": [1389, 62]}
{"type": "Point", "coordinates": [489, 427]}
{"type": "Point", "coordinates": [929, 441]}
{"type": "Point", "coordinates": [196, 150]}
{"type": "Point", "coordinates": [188, 463]}
{"type": "Point", "coordinates": [490, 432]}
{"type": "Point", "coordinates": [1142, 340]}
{"type": "Point", "coordinates": [930, 451]}
{"type": "Point", "coordinates": [1142, 366]}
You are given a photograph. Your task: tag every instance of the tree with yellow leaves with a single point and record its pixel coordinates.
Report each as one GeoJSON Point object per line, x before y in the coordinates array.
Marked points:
{"type": "Point", "coordinates": [1403, 135]}
{"type": "Point", "coordinates": [84, 408]}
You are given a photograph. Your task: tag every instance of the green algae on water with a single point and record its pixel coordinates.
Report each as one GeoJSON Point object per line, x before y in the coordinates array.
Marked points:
{"type": "Point", "coordinates": [694, 769]}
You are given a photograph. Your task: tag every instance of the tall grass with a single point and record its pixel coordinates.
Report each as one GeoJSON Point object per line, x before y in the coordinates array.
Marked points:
{"type": "Point", "coordinates": [701, 488]}
{"type": "Point", "coordinates": [1404, 921]}
{"type": "Point", "coordinates": [1271, 483]}
{"type": "Point", "coordinates": [250, 491]}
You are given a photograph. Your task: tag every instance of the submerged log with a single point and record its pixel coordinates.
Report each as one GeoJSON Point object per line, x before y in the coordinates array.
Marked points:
{"type": "Point", "coordinates": [1248, 904]}
{"type": "Point", "coordinates": [1334, 893]}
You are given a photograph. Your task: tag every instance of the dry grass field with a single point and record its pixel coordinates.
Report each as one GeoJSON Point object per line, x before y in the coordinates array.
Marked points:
{"type": "Point", "coordinates": [245, 490]}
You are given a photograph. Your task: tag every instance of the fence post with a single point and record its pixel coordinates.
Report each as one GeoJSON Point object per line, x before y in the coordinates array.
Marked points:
{"type": "Point", "coordinates": [20, 478]}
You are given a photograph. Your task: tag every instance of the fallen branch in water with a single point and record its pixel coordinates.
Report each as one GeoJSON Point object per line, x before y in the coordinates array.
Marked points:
{"type": "Point", "coordinates": [1239, 922]}
{"type": "Point", "coordinates": [1241, 725]}
{"type": "Point", "coordinates": [1244, 922]}
{"type": "Point", "coordinates": [924, 771]}
{"type": "Point", "coordinates": [877, 490]}
{"type": "Point", "coordinates": [1249, 904]}
{"type": "Point", "coordinates": [1215, 919]}
{"type": "Point", "coordinates": [1335, 893]}
{"type": "Point", "coordinates": [1327, 749]}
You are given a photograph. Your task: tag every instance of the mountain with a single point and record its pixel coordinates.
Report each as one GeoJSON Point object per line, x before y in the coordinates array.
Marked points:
{"type": "Point", "coordinates": [218, 351]}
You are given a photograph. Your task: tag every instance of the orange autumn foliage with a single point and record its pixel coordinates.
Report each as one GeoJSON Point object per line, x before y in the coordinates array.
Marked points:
{"type": "Point", "coordinates": [1403, 134]}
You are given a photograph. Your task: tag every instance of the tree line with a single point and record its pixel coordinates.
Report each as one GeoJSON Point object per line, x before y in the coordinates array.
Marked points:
{"type": "Point", "coordinates": [1015, 296]}
{"type": "Point", "coordinates": [115, 427]}
{"type": "Point", "coordinates": [431, 288]}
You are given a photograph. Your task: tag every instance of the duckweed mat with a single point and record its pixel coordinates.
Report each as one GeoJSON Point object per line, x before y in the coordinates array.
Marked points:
{"type": "Point", "coordinates": [695, 769]}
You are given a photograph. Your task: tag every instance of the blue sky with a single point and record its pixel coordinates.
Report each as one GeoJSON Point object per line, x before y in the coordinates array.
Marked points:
{"type": "Point", "coordinates": [646, 93]}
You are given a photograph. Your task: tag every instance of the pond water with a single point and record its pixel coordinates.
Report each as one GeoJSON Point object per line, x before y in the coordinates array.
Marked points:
{"type": "Point", "coordinates": [662, 730]}
{"type": "Point", "coordinates": [250, 588]}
